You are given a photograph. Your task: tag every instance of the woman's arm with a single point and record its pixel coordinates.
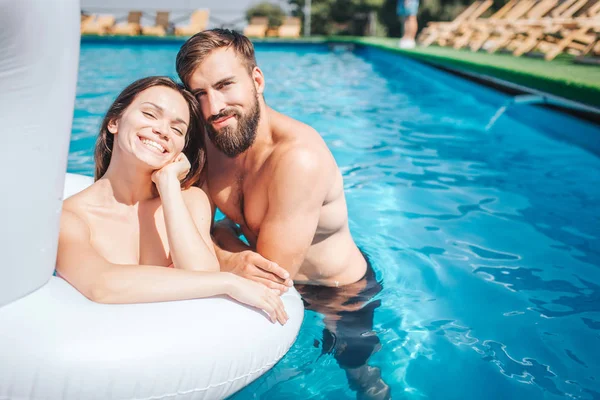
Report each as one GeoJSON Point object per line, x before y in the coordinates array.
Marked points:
{"type": "Point", "coordinates": [187, 220]}
{"type": "Point", "coordinates": [104, 282]}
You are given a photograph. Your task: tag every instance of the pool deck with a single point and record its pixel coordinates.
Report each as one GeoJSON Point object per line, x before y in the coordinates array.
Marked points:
{"type": "Point", "coordinates": [560, 77]}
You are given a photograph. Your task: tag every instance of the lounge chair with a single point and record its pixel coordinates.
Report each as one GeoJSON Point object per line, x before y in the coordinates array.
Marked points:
{"type": "Point", "coordinates": [441, 32]}
{"type": "Point", "coordinates": [130, 28]}
{"type": "Point", "coordinates": [580, 38]}
{"type": "Point", "coordinates": [504, 36]}
{"type": "Point", "coordinates": [160, 27]}
{"type": "Point", "coordinates": [483, 29]}
{"type": "Point", "coordinates": [257, 28]}
{"type": "Point", "coordinates": [483, 32]}
{"type": "Point", "coordinates": [97, 25]}
{"type": "Point", "coordinates": [469, 30]}
{"type": "Point", "coordinates": [198, 23]}
{"type": "Point", "coordinates": [501, 33]}
{"type": "Point", "coordinates": [528, 36]}
{"type": "Point", "coordinates": [86, 20]}
{"type": "Point", "coordinates": [291, 28]}
{"type": "Point", "coordinates": [580, 42]}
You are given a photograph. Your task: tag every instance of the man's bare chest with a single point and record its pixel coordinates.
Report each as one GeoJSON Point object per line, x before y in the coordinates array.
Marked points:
{"type": "Point", "coordinates": [243, 199]}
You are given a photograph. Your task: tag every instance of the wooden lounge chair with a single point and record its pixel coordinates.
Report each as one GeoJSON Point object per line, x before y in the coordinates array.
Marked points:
{"type": "Point", "coordinates": [485, 31]}
{"type": "Point", "coordinates": [86, 19]}
{"type": "Point", "coordinates": [257, 28]}
{"type": "Point", "coordinates": [528, 36]}
{"type": "Point", "coordinates": [198, 23]}
{"type": "Point", "coordinates": [501, 33]}
{"type": "Point", "coordinates": [428, 34]}
{"type": "Point", "coordinates": [581, 38]}
{"type": "Point", "coordinates": [97, 25]}
{"type": "Point", "coordinates": [161, 26]}
{"type": "Point", "coordinates": [468, 30]}
{"type": "Point", "coordinates": [505, 36]}
{"type": "Point", "coordinates": [441, 32]}
{"type": "Point", "coordinates": [290, 28]}
{"type": "Point", "coordinates": [130, 28]}
{"type": "Point", "coordinates": [580, 42]}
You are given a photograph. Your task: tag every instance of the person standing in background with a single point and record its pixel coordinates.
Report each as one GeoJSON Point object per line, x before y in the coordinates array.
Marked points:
{"type": "Point", "coordinates": [407, 11]}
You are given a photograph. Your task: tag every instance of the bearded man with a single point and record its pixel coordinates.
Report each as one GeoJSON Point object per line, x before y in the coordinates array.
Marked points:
{"type": "Point", "coordinates": [278, 184]}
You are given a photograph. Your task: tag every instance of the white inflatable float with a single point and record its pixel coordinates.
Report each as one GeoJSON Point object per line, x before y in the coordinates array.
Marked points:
{"type": "Point", "coordinates": [55, 343]}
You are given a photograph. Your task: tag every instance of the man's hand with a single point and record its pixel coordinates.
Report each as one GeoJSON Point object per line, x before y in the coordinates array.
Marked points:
{"type": "Point", "coordinates": [255, 267]}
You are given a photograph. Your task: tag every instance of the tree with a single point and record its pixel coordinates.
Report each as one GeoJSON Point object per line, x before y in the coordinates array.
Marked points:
{"type": "Point", "coordinates": [272, 11]}
{"type": "Point", "coordinates": [349, 17]}
{"type": "Point", "coordinates": [337, 17]}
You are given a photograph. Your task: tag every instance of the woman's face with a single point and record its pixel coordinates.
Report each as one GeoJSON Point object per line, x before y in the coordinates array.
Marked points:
{"type": "Point", "coordinates": [153, 127]}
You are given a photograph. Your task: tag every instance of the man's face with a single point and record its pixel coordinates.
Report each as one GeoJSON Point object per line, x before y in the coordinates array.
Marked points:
{"type": "Point", "coordinates": [228, 99]}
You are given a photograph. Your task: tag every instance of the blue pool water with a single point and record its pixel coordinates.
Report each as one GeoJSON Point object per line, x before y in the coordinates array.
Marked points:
{"type": "Point", "coordinates": [487, 240]}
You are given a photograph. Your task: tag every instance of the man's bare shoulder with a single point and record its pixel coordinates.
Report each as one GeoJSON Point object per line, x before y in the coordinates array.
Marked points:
{"type": "Point", "coordinates": [300, 154]}
{"type": "Point", "coordinates": [288, 131]}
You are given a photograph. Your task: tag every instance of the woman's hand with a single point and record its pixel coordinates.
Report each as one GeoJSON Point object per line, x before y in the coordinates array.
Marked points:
{"type": "Point", "coordinates": [259, 296]}
{"type": "Point", "coordinates": [178, 169]}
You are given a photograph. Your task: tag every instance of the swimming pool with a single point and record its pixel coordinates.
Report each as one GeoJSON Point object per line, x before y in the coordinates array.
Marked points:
{"type": "Point", "coordinates": [486, 237]}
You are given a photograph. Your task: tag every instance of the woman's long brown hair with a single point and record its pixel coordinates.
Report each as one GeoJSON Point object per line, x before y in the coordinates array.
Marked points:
{"type": "Point", "coordinates": [194, 148]}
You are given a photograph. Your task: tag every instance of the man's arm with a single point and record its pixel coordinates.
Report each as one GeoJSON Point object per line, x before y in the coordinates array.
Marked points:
{"type": "Point", "coordinates": [227, 243]}
{"type": "Point", "coordinates": [223, 236]}
{"type": "Point", "coordinates": [226, 234]}
{"type": "Point", "coordinates": [296, 195]}
{"type": "Point", "coordinates": [237, 257]}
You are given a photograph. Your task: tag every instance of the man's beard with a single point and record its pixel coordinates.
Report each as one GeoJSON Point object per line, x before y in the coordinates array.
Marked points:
{"type": "Point", "coordinates": [229, 140]}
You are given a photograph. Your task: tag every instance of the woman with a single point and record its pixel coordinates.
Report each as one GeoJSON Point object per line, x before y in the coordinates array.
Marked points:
{"type": "Point", "coordinates": [143, 214]}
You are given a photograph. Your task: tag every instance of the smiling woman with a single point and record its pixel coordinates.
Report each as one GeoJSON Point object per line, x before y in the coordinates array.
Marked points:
{"type": "Point", "coordinates": [142, 213]}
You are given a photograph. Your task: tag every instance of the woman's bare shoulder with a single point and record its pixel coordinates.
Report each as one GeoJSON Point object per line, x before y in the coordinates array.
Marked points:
{"type": "Point", "coordinates": [79, 202]}
{"type": "Point", "coordinates": [196, 196]}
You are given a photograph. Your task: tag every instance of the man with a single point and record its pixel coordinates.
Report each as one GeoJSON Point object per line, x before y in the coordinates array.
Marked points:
{"type": "Point", "coordinates": [407, 11]}
{"type": "Point", "coordinates": [275, 178]}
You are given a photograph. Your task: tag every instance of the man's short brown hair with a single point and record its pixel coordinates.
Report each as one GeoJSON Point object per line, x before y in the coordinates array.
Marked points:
{"type": "Point", "coordinates": [199, 46]}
